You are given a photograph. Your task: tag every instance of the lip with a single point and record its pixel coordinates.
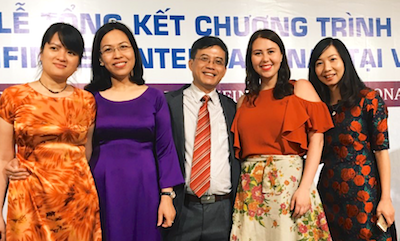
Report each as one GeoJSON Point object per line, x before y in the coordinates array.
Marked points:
{"type": "Point", "coordinates": [120, 64]}
{"type": "Point", "coordinates": [208, 74]}
{"type": "Point", "coordinates": [266, 67]}
{"type": "Point", "coordinates": [60, 66]}
{"type": "Point", "coordinates": [329, 77]}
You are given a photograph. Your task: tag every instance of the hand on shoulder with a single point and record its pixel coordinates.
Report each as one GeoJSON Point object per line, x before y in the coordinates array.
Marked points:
{"type": "Point", "coordinates": [305, 90]}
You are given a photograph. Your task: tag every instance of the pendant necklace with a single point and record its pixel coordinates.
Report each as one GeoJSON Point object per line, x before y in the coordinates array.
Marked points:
{"type": "Point", "coordinates": [335, 109]}
{"type": "Point", "coordinates": [52, 91]}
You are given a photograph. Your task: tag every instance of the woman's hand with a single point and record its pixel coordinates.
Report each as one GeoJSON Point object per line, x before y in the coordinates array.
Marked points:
{"type": "Point", "coordinates": [14, 172]}
{"type": "Point", "coordinates": [300, 202]}
{"type": "Point", "coordinates": [166, 212]}
{"type": "Point", "coordinates": [385, 208]}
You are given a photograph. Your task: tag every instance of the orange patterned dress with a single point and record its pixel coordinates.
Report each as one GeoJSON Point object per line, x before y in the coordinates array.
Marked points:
{"type": "Point", "coordinates": [58, 201]}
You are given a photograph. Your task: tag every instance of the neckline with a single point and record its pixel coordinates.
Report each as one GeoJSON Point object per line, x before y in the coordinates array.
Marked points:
{"type": "Point", "coordinates": [123, 101]}
{"type": "Point", "coordinates": [266, 90]}
{"type": "Point", "coordinates": [48, 96]}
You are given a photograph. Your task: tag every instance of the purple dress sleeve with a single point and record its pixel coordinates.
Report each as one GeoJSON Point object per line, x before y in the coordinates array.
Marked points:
{"type": "Point", "coordinates": [168, 164]}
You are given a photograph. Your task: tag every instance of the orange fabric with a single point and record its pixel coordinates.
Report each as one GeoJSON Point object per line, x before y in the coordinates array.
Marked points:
{"type": "Point", "coordinates": [277, 127]}
{"type": "Point", "coordinates": [59, 200]}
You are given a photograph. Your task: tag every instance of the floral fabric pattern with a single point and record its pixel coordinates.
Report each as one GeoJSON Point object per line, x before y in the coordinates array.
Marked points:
{"type": "Point", "coordinates": [262, 205]}
{"type": "Point", "coordinates": [58, 201]}
{"type": "Point", "coordinates": [349, 181]}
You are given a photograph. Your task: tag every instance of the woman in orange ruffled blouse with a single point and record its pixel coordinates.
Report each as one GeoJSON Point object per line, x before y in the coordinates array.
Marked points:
{"type": "Point", "coordinates": [49, 121]}
{"type": "Point", "coordinates": [277, 122]}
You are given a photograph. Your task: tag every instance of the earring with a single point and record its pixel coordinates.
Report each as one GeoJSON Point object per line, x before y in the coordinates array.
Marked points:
{"type": "Point", "coordinates": [101, 64]}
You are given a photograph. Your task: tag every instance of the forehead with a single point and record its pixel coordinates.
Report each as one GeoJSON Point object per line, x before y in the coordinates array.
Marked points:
{"type": "Point", "coordinates": [115, 36]}
{"type": "Point", "coordinates": [214, 51]}
{"type": "Point", "coordinates": [330, 50]}
{"type": "Point", "coordinates": [263, 43]}
{"type": "Point", "coordinates": [55, 39]}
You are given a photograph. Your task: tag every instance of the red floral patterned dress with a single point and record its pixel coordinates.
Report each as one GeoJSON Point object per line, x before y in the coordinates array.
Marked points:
{"type": "Point", "coordinates": [349, 182]}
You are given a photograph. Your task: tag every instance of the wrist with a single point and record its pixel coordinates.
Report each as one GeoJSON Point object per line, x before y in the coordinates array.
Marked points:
{"type": "Point", "coordinates": [171, 194]}
{"type": "Point", "coordinates": [385, 198]}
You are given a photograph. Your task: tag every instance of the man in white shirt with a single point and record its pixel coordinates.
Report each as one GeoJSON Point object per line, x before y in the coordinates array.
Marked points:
{"type": "Point", "coordinates": [204, 214]}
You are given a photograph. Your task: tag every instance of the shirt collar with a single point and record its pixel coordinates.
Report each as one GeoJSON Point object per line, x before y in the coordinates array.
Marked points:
{"type": "Point", "coordinates": [197, 94]}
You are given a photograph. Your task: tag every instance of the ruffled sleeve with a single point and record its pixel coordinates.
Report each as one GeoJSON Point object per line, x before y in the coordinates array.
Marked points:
{"type": "Point", "coordinates": [236, 137]}
{"type": "Point", "coordinates": [302, 116]}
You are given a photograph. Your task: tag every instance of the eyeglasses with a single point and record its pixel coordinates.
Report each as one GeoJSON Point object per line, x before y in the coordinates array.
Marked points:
{"type": "Point", "coordinates": [110, 50]}
{"type": "Point", "coordinates": [207, 59]}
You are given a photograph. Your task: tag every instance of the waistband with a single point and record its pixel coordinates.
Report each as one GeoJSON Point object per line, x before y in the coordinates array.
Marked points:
{"type": "Point", "coordinates": [206, 198]}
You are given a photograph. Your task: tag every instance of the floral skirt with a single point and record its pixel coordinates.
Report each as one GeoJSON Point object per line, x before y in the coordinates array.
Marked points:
{"type": "Point", "coordinates": [262, 205]}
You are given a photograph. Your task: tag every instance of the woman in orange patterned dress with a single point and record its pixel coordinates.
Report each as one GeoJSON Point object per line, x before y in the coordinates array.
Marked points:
{"type": "Point", "coordinates": [50, 122]}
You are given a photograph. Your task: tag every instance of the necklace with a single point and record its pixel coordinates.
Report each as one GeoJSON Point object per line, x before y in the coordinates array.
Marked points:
{"type": "Point", "coordinates": [52, 91]}
{"type": "Point", "coordinates": [335, 109]}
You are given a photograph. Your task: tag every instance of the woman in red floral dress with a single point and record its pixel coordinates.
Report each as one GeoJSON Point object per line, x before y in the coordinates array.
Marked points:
{"type": "Point", "coordinates": [355, 180]}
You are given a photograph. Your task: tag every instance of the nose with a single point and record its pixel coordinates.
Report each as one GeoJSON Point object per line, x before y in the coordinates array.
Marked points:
{"type": "Point", "coordinates": [327, 66]}
{"type": "Point", "coordinates": [265, 58]}
{"type": "Point", "coordinates": [62, 55]}
{"type": "Point", "coordinates": [117, 53]}
{"type": "Point", "coordinates": [210, 64]}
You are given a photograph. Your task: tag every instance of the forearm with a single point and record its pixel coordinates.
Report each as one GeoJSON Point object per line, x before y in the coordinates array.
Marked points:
{"type": "Point", "coordinates": [315, 146]}
{"type": "Point", "coordinates": [167, 189]}
{"type": "Point", "coordinates": [383, 163]}
{"type": "Point", "coordinates": [3, 183]}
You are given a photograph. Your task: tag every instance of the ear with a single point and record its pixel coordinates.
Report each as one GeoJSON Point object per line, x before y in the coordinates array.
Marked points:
{"type": "Point", "coordinates": [190, 63]}
{"type": "Point", "coordinates": [101, 62]}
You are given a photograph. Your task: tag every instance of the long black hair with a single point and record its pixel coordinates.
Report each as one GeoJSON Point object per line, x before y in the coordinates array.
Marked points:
{"type": "Point", "coordinates": [253, 85]}
{"type": "Point", "coordinates": [101, 77]}
{"type": "Point", "coordinates": [349, 85]}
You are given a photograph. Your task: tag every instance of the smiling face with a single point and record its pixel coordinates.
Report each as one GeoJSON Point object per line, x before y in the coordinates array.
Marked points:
{"type": "Point", "coordinates": [266, 59]}
{"type": "Point", "coordinates": [58, 63]}
{"type": "Point", "coordinates": [208, 68]}
{"type": "Point", "coordinates": [117, 54]}
{"type": "Point", "coordinates": [329, 67]}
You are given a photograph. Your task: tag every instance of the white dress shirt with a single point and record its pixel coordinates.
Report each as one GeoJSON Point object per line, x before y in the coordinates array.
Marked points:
{"type": "Point", "coordinates": [220, 182]}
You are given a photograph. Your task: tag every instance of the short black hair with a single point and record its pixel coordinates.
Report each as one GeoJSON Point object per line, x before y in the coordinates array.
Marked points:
{"type": "Point", "coordinates": [69, 36]}
{"type": "Point", "coordinates": [206, 42]}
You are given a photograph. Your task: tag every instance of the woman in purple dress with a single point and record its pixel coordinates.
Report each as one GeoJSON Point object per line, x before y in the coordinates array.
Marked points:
{"type": "Point", "coordinates": [133, 155]}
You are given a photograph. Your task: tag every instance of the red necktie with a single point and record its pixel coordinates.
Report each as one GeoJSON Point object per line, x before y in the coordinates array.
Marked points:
{"type": "Point", "coordinates": [200, 176]}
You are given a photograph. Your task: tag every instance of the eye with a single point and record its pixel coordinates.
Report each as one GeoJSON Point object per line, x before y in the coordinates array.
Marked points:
{"type": "Point", "coordinates": [318, 63]}
{"type": "Point", "coordinates": [107, 50]}
{"type": "Point", "coordinates": [72, 53]}
{"type": "Point", "coordinates": [219, 62]}
{"type": "Point", "coordinates": [257, 53]}
{"type": "Point", "coordinates": [124, 47]}
{"type": "Point", "coordinates": [53, 47]}
{"type": "Point", "coordinates": [271, 51]}
{"type": "Point", "coordinates": [204, 58]}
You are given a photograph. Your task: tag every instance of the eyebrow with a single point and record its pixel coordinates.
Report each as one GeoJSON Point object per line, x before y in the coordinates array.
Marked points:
{"type": "Point", "coordinates": [328, 56]}
{"type": "Point", "coordinates": [58, 45]}
{"type": "Point", "coordinates": [116, 44]}
{"type": "Point", "coordinates": [266, 49]}
{"type": "Point", "coordinates": [217, 57]}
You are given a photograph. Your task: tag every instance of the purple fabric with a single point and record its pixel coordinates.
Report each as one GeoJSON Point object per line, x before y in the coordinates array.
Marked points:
{"type": "Point", "coordinates": [124, 167]}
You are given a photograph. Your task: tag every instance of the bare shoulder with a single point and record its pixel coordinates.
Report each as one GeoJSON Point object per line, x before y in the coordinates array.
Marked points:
{"type": "Point", "coordinates": [305, 90]}
{"type": "Point", "coordinates": [240, 101]}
